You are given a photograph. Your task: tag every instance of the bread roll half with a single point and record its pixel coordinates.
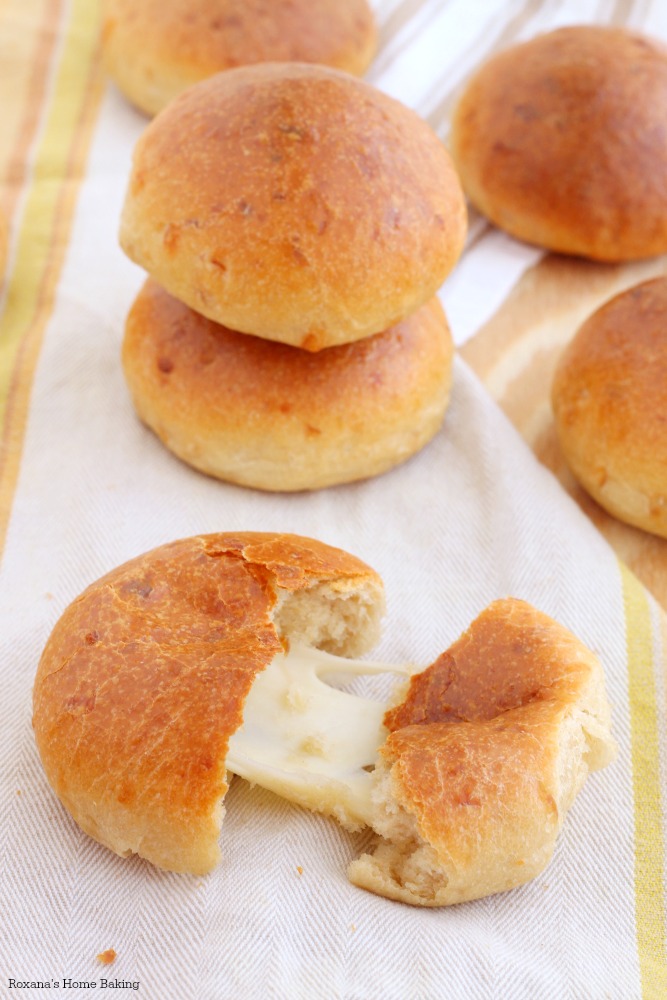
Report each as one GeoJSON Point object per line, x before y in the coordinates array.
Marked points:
{"type": "Point", "coordinates": [144, 678]}
{"type": "Point", "coordinates": [486, 753]}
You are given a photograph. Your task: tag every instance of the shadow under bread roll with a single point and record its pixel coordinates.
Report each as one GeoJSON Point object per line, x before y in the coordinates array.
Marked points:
{"type": "Point", "coordinates": [274, 417]}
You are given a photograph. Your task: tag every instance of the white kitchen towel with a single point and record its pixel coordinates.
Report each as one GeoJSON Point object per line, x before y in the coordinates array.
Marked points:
{"type": "Point", "coordinates": [473, 517]}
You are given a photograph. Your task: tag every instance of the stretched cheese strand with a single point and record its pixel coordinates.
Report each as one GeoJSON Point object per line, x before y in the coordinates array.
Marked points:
{"type": "Point", "coordinates": [310, 742]}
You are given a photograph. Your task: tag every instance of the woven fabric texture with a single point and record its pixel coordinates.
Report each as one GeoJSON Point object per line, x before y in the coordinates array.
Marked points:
{"type": "Point", "coordinates": [473, 517]}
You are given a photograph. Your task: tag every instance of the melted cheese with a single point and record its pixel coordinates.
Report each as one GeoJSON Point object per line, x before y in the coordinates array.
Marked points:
{"type": "Point", "coordinates": [310, 742]}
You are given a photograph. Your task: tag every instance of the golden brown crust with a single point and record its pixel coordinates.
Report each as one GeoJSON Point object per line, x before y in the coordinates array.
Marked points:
{"type": "Point", "coordinates": [609, 397]}
{"type": "Point", "coordinates": [485, 755]}
{"type": "Point", "coordinates": [274, 417]}
{"type": "Point", "coordinates": [294, 202]}
{"type": "Point", "coordinates": [484, 795]}
{"type": "Point", "coordinates": [561, 142]}
{"type": "Point", "coordinates": [143, 681]}
{"type": "Point", "coordinates": [154, 49]}
{"type": "Point", "coordinates": [510, 656]}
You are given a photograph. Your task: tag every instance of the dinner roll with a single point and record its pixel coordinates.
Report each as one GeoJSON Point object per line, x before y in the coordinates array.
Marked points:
{"type": "Point", "coordinates": [154, 49]}
{"type": "Point", "coordinates": [561, 141]}
{"type": "Point", "coordinates": [144, 678]}
{"type": "Point", "coordinates": [610, 398]}
{"type": "Point", "coordinates": [274, 417]}
{"type": "Point", "coordinates": [486, 753]}
{"type": "Point", "coordinates": [294, 202]}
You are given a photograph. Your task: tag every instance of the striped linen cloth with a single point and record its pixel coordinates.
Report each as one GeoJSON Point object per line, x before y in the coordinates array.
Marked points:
{"type": "Point", "coordinates": [473, 517]}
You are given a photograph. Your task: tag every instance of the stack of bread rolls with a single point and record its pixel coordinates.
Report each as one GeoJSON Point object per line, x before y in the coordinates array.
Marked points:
{"type": "Point", "coordinates": [296, 224]}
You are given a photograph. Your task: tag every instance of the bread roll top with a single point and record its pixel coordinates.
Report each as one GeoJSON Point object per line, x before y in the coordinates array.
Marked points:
{"type": "Point", "coordinates": [295, 203]}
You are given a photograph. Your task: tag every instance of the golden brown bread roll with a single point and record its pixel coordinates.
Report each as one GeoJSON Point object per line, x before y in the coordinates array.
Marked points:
{"type": "Point", "coordinates": [561, 141]}
{"type": "Point", "coordinates": [609, 398]}
{"type": "Point", "coordinates": [486, 753]}
{"type": "Point", "coordinates": [154, 49]}
{"type": "Point", "coordinates": [143, 680]}
{"type": "Point", "coordinates": [212, 654]}
{"type": "Point", "coordinates": [273, 417]}
{"type": "Point", "coordinates": [294, 202]}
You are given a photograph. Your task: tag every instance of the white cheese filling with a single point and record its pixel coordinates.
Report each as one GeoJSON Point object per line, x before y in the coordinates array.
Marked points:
{"type": "Point", "coordinates": [308, 741]}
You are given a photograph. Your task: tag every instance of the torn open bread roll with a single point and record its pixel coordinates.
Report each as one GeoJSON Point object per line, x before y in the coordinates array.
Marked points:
{"type": "Point", "coordinates": [220, 653]}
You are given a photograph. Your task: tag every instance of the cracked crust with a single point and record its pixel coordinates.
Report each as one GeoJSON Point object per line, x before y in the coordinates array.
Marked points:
{"type": "Point", "coordinates": [143, 679]}
{"type": "Point", "coordinates": [487, 752]}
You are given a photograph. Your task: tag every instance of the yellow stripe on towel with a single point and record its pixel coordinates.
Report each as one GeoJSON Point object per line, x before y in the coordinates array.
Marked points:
{"type": "Point", "coordinates": [44, 227]}
{"type": "Point", "coordinates": [649, 840]}
{"type": "Point", "coordinates": [29, 32]}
